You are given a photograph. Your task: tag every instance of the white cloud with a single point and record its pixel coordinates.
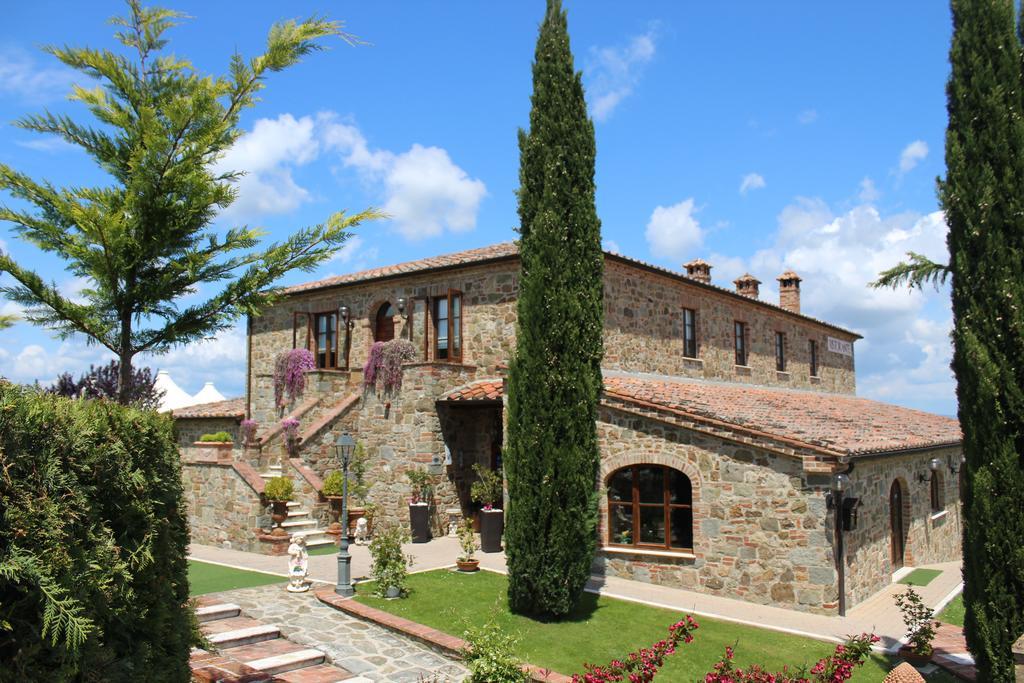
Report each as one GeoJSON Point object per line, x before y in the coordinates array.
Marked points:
{"type": "Point", "coordinates": [911, 155]}
{"type": "Point", "coordinates": [868, 192]}
{"type": "Point", "coordinates": [21, 76]}
{"type": "Point", "coordinates": [50, 144]}
{"type": "Point", "coordinates": [219, 359]}
{"type": "Point", "coordinates": [424, 191]}
{"type": "Point", "coordinates": [751, 181]}
{"type": "Point", "coordinates": [268, 154]}
{"type": "Point", "coordinates": [354, 255]}
{"type": "Point", "coordinates": [674, 230]}
{"type": "Point", "coordinates": [613, 72]}
{"type": "Point", "coordinates": [611, 245]}
{"type": "Point", "coordinates": [807, 116]}
{"type": "Point", "coordinates": [35, 362]}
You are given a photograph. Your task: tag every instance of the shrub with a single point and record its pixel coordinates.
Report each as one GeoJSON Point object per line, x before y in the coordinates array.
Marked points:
{"type": "Point", "coordinates": [467, 541]}
{"type": "Point", "coordinates": [93, 575]}
{"type": "Point", "coordinates": [390, 567]}
{"type": "Point", "coordinates": [279, 489]}
{"type": "Point", "coordinates": [919, 620]}
{"type": "Point", "coordinates": [357, 487]}
{"type": "Point", "coordinates": [835, 668]}
{"type": "Point", "coordinates": [217, 437]}
{"type": "Point", "coordinates": [102, 382]}
{"type": "Point", "coordinates": [422, 485]}
{"type": "Point", "coordinates": [290, 369]}
{"type": "Point", "coordinates": [489, 656]}
{"type": "Point", "coordinates": [333, 484]}
{"type": "Point", "coordinates": [249, 428]}
{"type": "Point", "coordinates": [487, 489]}
{"type": "Point", "coordinates": [642, 665]}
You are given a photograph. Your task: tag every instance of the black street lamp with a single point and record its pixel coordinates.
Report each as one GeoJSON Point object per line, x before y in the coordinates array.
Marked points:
{"type": "Point", "coordinates": [840, 484]}
{"type": "Point", "coordinates": [343, 451]}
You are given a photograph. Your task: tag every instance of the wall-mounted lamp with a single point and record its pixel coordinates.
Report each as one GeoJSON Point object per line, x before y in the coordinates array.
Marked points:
{"type": "Point", "coordinates": [401, 306]}
{"type": "Point", "coordinates": [345, 314]}
{"type": "Point", "coordinates": [956, 466]}
{"type": "Point", "coordinates": [933, 465]}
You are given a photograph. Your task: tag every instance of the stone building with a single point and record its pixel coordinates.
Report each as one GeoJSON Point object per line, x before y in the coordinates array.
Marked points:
{"type": "Point", "coordinates": [723, 420]}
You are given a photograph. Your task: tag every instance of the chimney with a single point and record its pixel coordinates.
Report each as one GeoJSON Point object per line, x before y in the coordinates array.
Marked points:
{"type": "Point", "coordinates": [789, 291]}
{"type": "Point", "coordinates": [699, 270]}
{"type": "Point", "coordinates": [746, 285]}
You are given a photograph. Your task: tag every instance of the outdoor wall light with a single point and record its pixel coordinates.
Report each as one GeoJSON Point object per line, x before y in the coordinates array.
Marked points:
{"type": "Point", "coordinates": [958, 464]}
{"type": "Point", "coordinates": [933, 465]}
{"type": "Point", "coordinates": [401, 306]}
{"type": "Point", "coordinates": [345, 313]}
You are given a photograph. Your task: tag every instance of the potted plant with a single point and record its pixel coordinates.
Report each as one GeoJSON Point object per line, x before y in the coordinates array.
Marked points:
{"type": "Point", "coordinates": [487, 490]}
{"type": "Point", "coordinates": [249, 429]}
{"type": "Point", "coordinates": [279, 491]}
{"type": "Point", "coordinates": [920, 624]}
{"type": "Point", "coordinates": [466, 562]}
{"type": "Point", "coordinates": [290, 429]}
{"type": "Point", "coordinates": [332, 490]}
{"type": "Point", "coordinates": [219, 444]}
{"type": "Point", "coordinates": [419, 504]}
{"type": "Point", "coordinates": [390, 569]}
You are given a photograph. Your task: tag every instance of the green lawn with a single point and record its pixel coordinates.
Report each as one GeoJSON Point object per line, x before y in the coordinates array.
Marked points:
{"type": "Point", "coordinates": [204, 577]}
{"type": "Point", "coordinates": [601, 629]}
{"type": "Point", "coordinates": [331, 549]}
{"type": "Point", "coordinates": [953, 612]}
{"type": "Point", "coordinates": [920, 577]}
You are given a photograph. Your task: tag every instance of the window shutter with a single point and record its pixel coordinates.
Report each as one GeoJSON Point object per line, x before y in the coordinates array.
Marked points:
{"type": "Point", "coordinates": [455, 325]}
{"type": "Point", "coordinates": [300, 330]}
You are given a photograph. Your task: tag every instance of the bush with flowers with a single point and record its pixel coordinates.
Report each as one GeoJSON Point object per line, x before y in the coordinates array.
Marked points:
{"type": "Point", "coordinates": [290, 428]}
{"type": "Point", "coordinates": [835, 668]}
{"type": "Point", "coordinates": [290, 368]}
{"type": "Point", "coordinates": [642, 665]}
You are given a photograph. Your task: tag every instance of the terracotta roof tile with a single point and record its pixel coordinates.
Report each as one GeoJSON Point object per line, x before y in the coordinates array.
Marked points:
{"type": "Point", "coordinates": [233, 407]}
{"type": "Point", "coordinates": [834, 422]}
{"type": "Point", "coordinates": [818, 421]}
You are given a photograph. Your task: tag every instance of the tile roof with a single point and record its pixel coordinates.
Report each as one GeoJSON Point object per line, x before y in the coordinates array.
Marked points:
{"type": "Point", "coordinates": [233, 407]}
{"type": "Point", "coordinates": [819, 421]}
{"type": "Point", "coordinates": [461, 258]}
{"type": "Point", "coordinates": [507, 250]}
{"type": "Point", "coordinates": [484, 390]}
{"type": "Point", "coordinates": [829, 423]}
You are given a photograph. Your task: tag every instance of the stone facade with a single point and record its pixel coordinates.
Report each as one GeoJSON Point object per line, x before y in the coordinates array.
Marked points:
{"type": "Point", "coordinates": [223, 508]}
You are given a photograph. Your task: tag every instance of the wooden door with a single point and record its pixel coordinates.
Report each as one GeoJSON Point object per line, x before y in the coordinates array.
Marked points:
{"type": "Point", "coordinates": [896, 524]}
{"type": "Point", "coordinates": [384, 329]}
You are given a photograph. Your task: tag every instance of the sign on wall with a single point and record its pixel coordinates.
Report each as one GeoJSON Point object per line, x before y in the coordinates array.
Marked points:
{"type": "Point", "coordinates": [839, 346]}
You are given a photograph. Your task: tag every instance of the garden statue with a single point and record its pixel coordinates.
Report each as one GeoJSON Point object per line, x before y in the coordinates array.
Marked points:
{"type": "Point", "coordinates": [298, 565]}
{"type": "Point", "coordinates": [361, 531]}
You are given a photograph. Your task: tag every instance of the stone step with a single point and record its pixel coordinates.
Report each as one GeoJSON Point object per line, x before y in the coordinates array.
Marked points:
{"type": "Point", "coordinates": [218, 611]}
{"type": "Point", "coordinates": [293, 504]}
{"type": "Point", "coordinates": [289, 661]}
{"type": "Point", "coordinates": [297, 512]}
{"type": "Point", "coordinates": [306, 533]}
{"type": "Point", "coordinates": [320, 542]}
{"type": "Point", "coordinates": [321, 673]}
{"type": "Point", "coordinates": [244, 636]}
{"type": "Point", "coordinates": [229, 624]}
{"type": "Point", "coordinates": [295, 523]}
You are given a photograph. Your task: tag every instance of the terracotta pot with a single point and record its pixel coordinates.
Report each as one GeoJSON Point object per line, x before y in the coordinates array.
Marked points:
{"type": "Point", "coordinates": [468, 565]}
{"type": "Point", "coordinates": [335, 512]}
{"type": "Point", "coordinates": [913, 657]}
{"type": "Point", "coordinates": [279, 513]}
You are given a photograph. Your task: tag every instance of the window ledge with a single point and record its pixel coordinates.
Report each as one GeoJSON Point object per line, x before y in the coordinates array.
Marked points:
{"type": "Point", "coordinates": [939, 515]}
{"type": "Point", "coordinates": [620, 550]}
{"type": "Point", "coordinates": [782, 374]}
{"type": "Point", "coordinates": [743, 369]}
{"type": "Point", "coordinates": [699, 362]}
{"type": "Point", "coordinates": [815, 379]}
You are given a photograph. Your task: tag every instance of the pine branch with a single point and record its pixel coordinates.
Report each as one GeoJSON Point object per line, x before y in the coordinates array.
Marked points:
{"type": "Point", "coordinates": [915, 273]}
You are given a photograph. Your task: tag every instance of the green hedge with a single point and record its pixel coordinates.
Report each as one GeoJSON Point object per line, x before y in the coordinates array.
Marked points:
{"type": "Point", "coordinates": [218, 437]}
{"type": "Point", "coordinates": [93, 534]}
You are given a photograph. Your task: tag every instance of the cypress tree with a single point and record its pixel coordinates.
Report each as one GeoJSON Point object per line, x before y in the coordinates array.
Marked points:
{"type": "Point", "coordinates": [983, 197]}
{"type": "Point", "coordinates": [555, 377]}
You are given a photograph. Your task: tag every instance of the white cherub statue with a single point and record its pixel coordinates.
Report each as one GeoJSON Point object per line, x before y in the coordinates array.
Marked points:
{"type": "Point", "coordinates": [298, 565]}
{"type": "Point", "coordinates": [361, 530]}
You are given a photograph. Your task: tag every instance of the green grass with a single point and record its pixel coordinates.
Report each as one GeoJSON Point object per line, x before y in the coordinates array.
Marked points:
{"type": "Point", "coordinates": [920, 577]}
{"type": "Point", "coordinates": [331, 549]}
{"type": "Point", "coordinates": [601, 629]}
{"type": "Point", "coordinates": [204, 577]}
{"type": "Point", "coordinates": [953, 613]}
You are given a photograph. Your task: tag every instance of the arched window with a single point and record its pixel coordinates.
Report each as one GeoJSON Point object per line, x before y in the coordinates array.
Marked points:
{"type": "Point", "coordinates": [936, 491]}
{"type": "Point", "coordinates": [650, 506]}
{"type": "Point", "coordinates": [384, 323]}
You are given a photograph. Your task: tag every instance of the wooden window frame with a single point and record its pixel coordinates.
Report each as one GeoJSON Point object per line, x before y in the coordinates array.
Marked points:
{"type": "Point", "coordinates": [780, 351]}
{"type": "Point", "coordinates": [936, 492]}
{"type": "Point", "coordinates": [314, 338]}
{"type": "Point", "coordinates": [690, 348]}
{"type": "Point", "coordinates": [453, 356]}
{"type": "Point", "coordinates": [635, 505]}
{"type": "Point", "coordinates": [739, 333]}
{"type": "Point", "coordinates": [814, 357]}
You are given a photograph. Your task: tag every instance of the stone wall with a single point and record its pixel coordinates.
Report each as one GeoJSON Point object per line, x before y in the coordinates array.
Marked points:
{"type": "Point", "coordinates": [759, 523]}
{"type": "Point", "coordinates": [930, 538]}
{"type": "Point", "coordinates": [223, 509]}
{"type": "Point", "coordinates": [643, 333]}
{"type": "Point", "coordinates": [188, 430]}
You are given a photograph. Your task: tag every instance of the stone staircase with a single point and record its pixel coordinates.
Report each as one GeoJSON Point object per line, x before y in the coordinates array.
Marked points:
{"type": "Point", "coordinates": [249, 651]}
{"type": "Point", "coordinates": [300, 521]}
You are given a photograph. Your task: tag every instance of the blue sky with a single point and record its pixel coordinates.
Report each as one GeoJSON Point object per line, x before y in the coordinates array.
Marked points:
{"type": "Point", "coordinates": [759, 136]}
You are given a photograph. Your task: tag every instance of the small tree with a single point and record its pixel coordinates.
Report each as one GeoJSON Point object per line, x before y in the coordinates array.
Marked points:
{"type": "Point", "coordinates": [143, 241]}
{"type": "Point", "coordinates": [919, 620]}
{"type": "Point", "coordinates": [102, 382]}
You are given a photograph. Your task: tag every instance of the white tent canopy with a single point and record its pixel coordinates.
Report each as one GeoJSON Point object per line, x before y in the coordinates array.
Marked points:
{"type": "Point", "coordinates": [208, 394]}
{"type": "Point", "coordinates": [174, 396]}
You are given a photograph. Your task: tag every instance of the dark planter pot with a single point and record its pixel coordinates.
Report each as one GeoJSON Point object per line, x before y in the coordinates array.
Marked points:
{"type": "Point", "coordinates": [492, 525]}
{"type": "Point", "coordinates": [335, 512]}
{"type": "Point", "coordinates": [278, 513]}
{"type": "Point", "coordinates": [419, 520]}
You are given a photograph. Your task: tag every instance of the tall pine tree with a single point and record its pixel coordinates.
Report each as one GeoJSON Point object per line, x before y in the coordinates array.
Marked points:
{"type": "Point", "coordinates": [983, 197]}
{"type": "Point", "coordinates": [555, 378]}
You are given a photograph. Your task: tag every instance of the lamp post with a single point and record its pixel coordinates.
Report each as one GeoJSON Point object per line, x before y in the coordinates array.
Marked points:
{"type": "Point", "coordinates": [343, 451]}
{"type": "Point", "coordinates": [840, 484]}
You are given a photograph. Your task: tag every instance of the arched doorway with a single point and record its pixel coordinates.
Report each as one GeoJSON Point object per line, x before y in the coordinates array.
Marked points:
{"type": "Point", "coordinates": [897, 534]}
{"type": "Point", "coordinates": [384, 323]}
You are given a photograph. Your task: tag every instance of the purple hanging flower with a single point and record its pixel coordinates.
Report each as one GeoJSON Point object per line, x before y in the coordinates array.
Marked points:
{"type": "Point", "coordinates": [290, 370]}
{"type": "Point", "coordinates": [249, 428]}
{"type": "Point", "coordinates": [290, 428]}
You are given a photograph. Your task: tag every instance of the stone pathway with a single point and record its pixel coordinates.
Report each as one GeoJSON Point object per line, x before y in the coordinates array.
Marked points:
{"type": "Point", "coordinates": [364, 649]}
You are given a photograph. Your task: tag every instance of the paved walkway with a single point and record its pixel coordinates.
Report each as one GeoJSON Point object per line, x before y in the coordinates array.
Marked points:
{"type": "Point", "coordinates": [355, 645]}
{"type": "Point", "coordinates": [877, 615]}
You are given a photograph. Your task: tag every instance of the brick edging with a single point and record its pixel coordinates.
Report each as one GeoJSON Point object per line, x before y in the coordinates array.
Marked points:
{"type": "Point", "coordinates": [448, 644]}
